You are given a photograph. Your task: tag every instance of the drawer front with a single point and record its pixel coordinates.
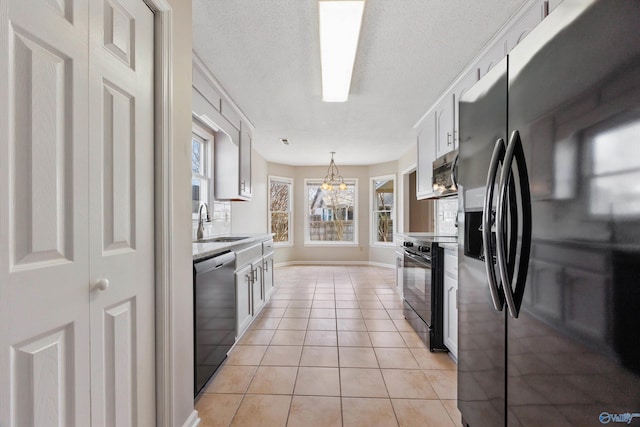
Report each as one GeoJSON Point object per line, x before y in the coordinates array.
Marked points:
{"type": "Point", "coordinates": [267, 247]}
{"type": "Point", "coordinates": [247, 255]}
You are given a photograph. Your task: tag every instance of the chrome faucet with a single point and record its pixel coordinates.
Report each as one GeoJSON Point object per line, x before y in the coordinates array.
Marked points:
{"type": "Point", "coordinates": [200, 232]}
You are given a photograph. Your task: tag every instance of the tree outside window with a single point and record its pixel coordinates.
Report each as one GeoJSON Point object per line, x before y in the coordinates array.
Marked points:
{"type": "Point", "coordinates": [331, 216]}
{"type": "Point", "coordinates": [280, 207]}
{"type": "Point", "coordinates": [383, 209]}
{"type": "Point", "coordinates": [200, 181]}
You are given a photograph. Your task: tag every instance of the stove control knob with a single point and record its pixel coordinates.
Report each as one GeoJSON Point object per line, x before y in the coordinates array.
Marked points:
{"type": "Point", "coordinates": [407, 244]}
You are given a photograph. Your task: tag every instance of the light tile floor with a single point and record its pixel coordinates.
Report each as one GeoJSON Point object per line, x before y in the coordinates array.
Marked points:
{"type": "Point", "coordinates": [332, 348]}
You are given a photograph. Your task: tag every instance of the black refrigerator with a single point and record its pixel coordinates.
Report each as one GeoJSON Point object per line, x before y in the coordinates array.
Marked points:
{"type": "Point", "coordinates": [549, 213]}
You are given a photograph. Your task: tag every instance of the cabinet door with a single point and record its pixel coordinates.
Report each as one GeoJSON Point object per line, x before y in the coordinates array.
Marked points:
{"type": "Point", "coordinates": [257, 288]}
{"type": "Point", "coordinates": [451, 314]}
{"type": "Point", "coordinates": [267, 275]}
{"type": "Point", "coordinates": [491, 58]}
{"type": "Point", "coordinates": [243, 299]}
{"type": "Point", "coordinates": [451, 301]}
{"type": "Point", "coordinates": [444, 125]}
{"type": "Point", "coordinates": [245, 161]}
{"type": "Point", "coordinates": [524, 26]}
{"type": "Point", "coordinates": [426, 156]}
{"type": "Point", "coordinates": [552, 4]}
{"type": "Point", "coordinates": [463, 85]}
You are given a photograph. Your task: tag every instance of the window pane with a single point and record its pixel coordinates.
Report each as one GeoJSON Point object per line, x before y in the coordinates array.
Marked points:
{"type": "Point", "coordinates": [196, 156]}
{"type": "Point", "coordinates": [198, 190]}
{"type": "Point", "coordinates": [279, 196]}
{"type": "Point", "coordinates": [384, 227]}
{"type": "Point", "coordinates": [331, 213]}
{"type": "Point", "coordinates": [280, 226]}
{"type": "Point", "coordinates": [383, 194]}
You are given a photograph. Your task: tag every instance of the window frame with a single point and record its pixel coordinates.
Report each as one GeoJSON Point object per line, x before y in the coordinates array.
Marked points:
{"type": "Point", "coordinates": [373, 229]}
{"type": "Point", "coordinates": [289, 181]}
{"type": "Point", "coordinates": [356, 222]}
{"type": "Point", "coordinates": [207, 138]}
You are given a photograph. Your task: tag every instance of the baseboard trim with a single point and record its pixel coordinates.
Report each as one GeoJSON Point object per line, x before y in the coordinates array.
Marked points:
{"type": "Point", "coordinates": [371, 263]}
{"type": "Point", "coordinates": [193, 420]}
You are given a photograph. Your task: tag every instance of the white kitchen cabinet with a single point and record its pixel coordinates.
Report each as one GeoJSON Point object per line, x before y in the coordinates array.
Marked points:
{"type": "Point", "coordinates": [426, 156]}
{"type": "Point", "coordinates": [525, 24]}
{"type": "Point", "coordinates": [445, 122]}
{"type": "Point", "coordinates": [451, 301]}
{"type": "Point", "coordinates": [267, 275]}
{"type": "Point", "coordinates": [244, 179]}
{"type": "Point", "coordinates": [243, 298]}
{"type": "Point", "coordinates": [258, 297]}
{"type": "Point", "coordinates": [552, 4]}
{"type": "Point", "coordinates": [494, 55]}
{"type": "Point", "coordinates": [460, 88]}
{"type": "Point", "coordinates": [267, 268]}
{"type": "Point", "coordinates": [232, 136]}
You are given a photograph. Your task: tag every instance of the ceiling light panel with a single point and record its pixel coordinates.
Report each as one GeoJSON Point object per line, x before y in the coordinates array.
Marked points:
{"type": "Point", "coordinates": [339, 32]}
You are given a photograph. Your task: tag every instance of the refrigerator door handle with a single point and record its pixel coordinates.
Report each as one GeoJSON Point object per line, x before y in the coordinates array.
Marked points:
{"type": "Point", "coordinates": [515, 293]}
{"type": "Point", "coordinates": [496, 158]}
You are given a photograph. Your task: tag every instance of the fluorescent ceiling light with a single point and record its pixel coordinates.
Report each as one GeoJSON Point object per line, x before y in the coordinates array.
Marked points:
{"type": "Point", "coordinates": [339, 31]}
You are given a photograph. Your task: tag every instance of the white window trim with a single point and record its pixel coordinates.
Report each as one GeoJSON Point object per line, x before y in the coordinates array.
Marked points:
{"type": "Point", "coordinates": [307, 242]}
{"type": "Point", "coordinates": [207, 136]}
{"type": "Point", "coordinates": [289, 181]}
{"type": "Point", "coordinates": [373, 231]}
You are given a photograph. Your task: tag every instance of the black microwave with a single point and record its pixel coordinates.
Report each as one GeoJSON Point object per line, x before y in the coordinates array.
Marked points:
{"type": "Point", "coordinates": [444, 174]}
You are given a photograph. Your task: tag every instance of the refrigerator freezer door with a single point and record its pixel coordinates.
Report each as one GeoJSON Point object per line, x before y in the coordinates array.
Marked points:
{"type": "Point", "coordinates": [574, 97]}
{"type": "Point", "coordinates": [481, 328]}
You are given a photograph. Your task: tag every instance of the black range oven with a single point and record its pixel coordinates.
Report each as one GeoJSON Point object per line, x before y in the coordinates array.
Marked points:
{"type": "Point", "coordinates": [423, 288]}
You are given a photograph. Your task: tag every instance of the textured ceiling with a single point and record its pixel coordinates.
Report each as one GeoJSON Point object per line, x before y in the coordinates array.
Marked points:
{"type": "Point", "coordinates": [265, 53]}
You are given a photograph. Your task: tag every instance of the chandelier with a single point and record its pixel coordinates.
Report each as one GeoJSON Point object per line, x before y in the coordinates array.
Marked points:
{"type": "Point", "coordinates": [333, 178]}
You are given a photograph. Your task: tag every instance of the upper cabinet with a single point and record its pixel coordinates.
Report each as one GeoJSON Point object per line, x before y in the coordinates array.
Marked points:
{"type": "Point", "coordinates": [532, 17]}
{"type": "Point", "coordinates": [426, 156]}
{"type": "Point", "coordinates": [459, 89]}
{"type": "Point", "coordinates": [438, 131]}
{"type": "Point", "coordinates": [214, 108]}
{"type": "Point", "coordinates": [445, 122]}
{"type": "Point", "coordinates": [245, 161]}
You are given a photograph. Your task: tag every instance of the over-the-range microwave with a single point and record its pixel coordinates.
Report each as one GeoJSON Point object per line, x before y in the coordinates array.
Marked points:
{"type": "Point", "coordinates": [444, 174]}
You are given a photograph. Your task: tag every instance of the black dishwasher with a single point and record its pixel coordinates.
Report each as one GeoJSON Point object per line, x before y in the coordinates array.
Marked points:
{"type": "Point", "coordinates": [214, 314]}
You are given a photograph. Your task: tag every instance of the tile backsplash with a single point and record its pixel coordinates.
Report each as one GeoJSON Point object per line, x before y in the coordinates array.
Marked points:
{"type": "Point", "coordinates": [446, 218]}
{"type": "Point", "coordinates": [220, 213]}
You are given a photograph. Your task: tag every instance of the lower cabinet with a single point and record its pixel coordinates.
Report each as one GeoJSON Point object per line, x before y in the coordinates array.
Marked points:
{"type": "Point", "coordinates": [243, 298]}
{"type": "Point", "coordinates": [451, 302]}
{"type": "Point", "coordinates": [254, 282]}
{"type": "Point", "coordinates": [267, 274]}
{"type": "Point", "coordinates": [258, 293]}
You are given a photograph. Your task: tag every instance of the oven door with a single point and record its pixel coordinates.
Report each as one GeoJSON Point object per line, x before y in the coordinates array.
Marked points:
{"type": "Point", "coordinates": [417, 285]}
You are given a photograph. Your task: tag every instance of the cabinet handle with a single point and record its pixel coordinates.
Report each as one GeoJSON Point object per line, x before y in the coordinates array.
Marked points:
{"type": "Point", "coordinates": [448, 138]}
{"type": "Point", "coordinates": [242, 186]}
{"type": "Point", "coordinates": [455, 136]}
{"type": "Point", "coordinates": [266, 266]}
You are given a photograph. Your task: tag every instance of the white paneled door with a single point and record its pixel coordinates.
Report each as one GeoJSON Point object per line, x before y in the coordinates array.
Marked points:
{"type": "Point", "coordinates": [76, 213]}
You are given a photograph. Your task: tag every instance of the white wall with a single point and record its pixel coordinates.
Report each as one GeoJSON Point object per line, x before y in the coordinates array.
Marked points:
{"type": "Point", "coordinates": [251, 216]}
{"type": "Point", "coordinates": [364, 252]}
{"type": "Point", "coordinates": [181, 298]}
{"type": "Point", "coordinates": [302, 253]}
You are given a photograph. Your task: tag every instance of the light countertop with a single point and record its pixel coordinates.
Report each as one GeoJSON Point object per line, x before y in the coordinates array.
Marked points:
{"type": "Point", "coordinates": [206, 249]}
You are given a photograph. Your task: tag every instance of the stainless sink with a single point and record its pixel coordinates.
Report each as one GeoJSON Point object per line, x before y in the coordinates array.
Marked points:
{"type": "Point", "coordinates": [223, 239]}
